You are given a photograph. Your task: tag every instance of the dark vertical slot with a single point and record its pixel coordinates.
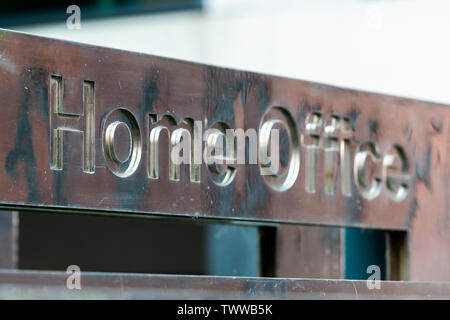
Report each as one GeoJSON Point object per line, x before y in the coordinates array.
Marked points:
{"type": "Point", "coordinates": [397, 255]}
{"type": "Point", "coordinates": [267, 251]}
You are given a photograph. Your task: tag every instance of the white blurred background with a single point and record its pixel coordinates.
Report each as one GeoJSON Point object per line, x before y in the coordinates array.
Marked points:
{"type": "Point", "coordinates": [399, 47]}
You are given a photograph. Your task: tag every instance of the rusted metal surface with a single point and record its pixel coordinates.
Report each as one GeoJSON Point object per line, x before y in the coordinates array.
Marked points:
{"type": "Point", "coordinates": [355, 158]}
{"type": "Point", "coordinates": [8, 239]}
{"type": "Point", "coordinates": [52, 285]}
{"type": "Point", "coordinates": [59, 99]}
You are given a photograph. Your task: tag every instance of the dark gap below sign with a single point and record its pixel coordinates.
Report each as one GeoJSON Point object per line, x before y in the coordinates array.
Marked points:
{"type": "Point", "coordinates": [49, 241]}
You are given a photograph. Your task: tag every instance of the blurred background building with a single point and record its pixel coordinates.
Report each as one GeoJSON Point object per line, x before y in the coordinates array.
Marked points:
{"type": "Point", "coordinates": [389, 46]}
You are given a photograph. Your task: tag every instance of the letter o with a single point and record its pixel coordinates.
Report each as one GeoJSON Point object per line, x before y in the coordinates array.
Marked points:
{"type": "Point", "coordinates": [279, 181]}
{"type": "Point", "coordinates": [121, 117]}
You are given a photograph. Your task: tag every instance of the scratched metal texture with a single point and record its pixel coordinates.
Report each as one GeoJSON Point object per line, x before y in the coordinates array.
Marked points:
{"type": "Point", "coordinates": [146, 84]}
{"type": "Point", "coordinates": [52, 285]}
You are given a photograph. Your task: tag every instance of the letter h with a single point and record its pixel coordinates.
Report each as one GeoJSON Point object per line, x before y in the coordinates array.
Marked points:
{"type": "Point", "coordinates": [61, 122]}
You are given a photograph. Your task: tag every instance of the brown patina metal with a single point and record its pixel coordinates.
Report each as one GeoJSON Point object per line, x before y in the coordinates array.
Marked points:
{"type": "Point", "coordinates": [363, 159]}
{"type": "Point", "coordinates": [51, 285]}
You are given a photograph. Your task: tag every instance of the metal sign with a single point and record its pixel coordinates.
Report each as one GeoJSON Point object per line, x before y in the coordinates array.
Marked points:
{"type": "Point", "coordinates": [90, 128]}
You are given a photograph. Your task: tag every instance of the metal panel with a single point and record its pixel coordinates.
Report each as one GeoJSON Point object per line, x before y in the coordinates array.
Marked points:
{"type": "Point", "coordinates": [8, 239]}
{"type": "Point", "coordinates": [52, 285]}
{"type": "Point", "coordinates": [364, 159]}
{"type": "Point", "coordinates": [310, 252]}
